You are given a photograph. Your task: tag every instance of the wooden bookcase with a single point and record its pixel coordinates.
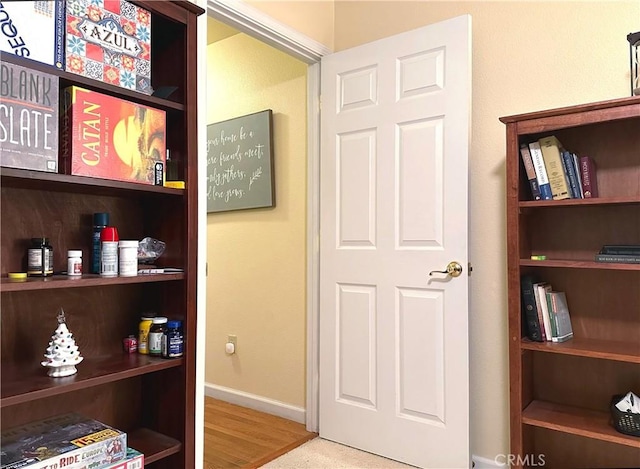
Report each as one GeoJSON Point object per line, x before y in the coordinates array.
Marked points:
{"type": "Point", "coordinates": [560, 392]}
{"type": "Point", "coordinates": [152, 399]}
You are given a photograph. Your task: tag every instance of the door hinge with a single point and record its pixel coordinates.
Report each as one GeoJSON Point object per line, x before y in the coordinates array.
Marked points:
{"type": "Point", "coordinates": [470, 268]}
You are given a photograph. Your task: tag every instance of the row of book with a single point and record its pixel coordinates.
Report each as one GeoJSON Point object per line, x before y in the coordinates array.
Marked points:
{"type": "Point", "coordinates": [622, 253]}
{"type": "Point", "coordinates": [555, 173]}
{"type": "Point", "coordinates": [105, 40]}
{"type": "Point", "coordinates": [69, 441]}
{"type": "Point", "coordinates": [545, 311]}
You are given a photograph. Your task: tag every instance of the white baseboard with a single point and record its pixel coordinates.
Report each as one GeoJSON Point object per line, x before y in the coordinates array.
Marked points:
{"type": "Point", "coordinates": [255, 402]}
{"type": "Point", "coordinates": [485, 463]}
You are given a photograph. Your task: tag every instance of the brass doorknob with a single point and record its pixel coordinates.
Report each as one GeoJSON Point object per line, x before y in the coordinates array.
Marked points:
{"type": "Point", "coordinates": [453, 268]}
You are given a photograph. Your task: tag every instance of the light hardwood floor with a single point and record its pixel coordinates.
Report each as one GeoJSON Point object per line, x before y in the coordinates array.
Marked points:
{"type": "Point", "coordinates": [237, 437]}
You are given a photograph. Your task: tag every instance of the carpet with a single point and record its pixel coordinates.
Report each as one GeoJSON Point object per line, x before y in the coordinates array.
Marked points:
{"type": "Point", "coordinates": [324, 454]}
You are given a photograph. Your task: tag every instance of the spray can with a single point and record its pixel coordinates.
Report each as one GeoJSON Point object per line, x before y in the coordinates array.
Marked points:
{"type": "Point", "coordinates": [100, 221]}
{"type": "Point", "coordinates": [109, 252]}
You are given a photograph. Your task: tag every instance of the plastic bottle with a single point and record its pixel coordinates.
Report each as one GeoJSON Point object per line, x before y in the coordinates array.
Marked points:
{"type": "Point", "coordinates": [128, 258]}
{"type": "Point", "coordinates": [155, 335]}
{"type": "Point", "coordinates": [100, 221]}
{"type": "Point", "coordinates": [109, 252]}
{"type": "Point", "coordinates": [40, 258]}
{"type": "Point", "coordinates": [74, 263]}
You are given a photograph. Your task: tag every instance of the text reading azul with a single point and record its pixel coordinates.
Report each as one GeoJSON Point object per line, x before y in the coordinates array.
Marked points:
{"type": "Point", "coordinates": [108, 33]}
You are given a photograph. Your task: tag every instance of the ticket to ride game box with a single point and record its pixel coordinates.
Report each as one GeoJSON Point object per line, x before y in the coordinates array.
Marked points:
{"type": "Point", "coordinates": [107, 137]}
{"type": "Point", "coordinates": [71, 441]}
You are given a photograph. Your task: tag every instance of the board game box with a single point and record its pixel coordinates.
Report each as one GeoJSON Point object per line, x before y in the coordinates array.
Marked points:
{"type": "Point", "coordinates": [71, 441]}
{"type": "Point", "coordinates": [34, 30]}
{"type": "Point", "coordinates": [107, 137]}
{"type": "Point", "coordinates": [133, 460]}
{"type": "Point", "coordinates": [110, 41]}
{"type": "Point", "coordinates": [28, 118]}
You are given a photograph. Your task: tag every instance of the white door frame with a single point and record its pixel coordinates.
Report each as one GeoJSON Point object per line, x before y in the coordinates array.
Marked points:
{"type": "Point", "coordinates": [257, 24]}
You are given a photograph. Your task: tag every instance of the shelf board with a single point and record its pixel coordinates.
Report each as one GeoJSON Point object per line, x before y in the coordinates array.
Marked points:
{"type": "Point", "coordinates": [24, 178]}
{"type": "Point", "coordinates": [153, 445]}
{"type": "Point", "coordinates": [592, 348]}
{"type": "Point", "coordinates": [69, 78]}
{"type": "Point", "coordinates": [575, 421]}
{"type": "Point", "coordinates": [28, 382]}
{"type": "Point", "coordinates": [622, 200]}
{"type": "Point", "coordinates": [87, 280]}
{"type": "Point", "coordinates": [579, 264]}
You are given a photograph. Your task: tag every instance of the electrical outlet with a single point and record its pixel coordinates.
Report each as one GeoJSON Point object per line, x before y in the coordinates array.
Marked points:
{"type": "Point", "coordinates": [233, 339]}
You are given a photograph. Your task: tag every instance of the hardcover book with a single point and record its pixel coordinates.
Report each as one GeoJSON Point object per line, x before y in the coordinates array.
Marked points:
{"type": "Point", "coordinates": [530, 171]}
{"type": "Point", "coordinates": [589, 177]}
{"type": "Point", "coordinates": [107, 137]}
{"type": "Point", "coordinates": [541, 171]}
{"type": "Point", "coordinates": [560, 308]}
{"type": "Point", "coordinates": [109, 41]}
{"type": "Point", "coordinates": [530, 309]}
{"type": "Point", "coordinates": [34, 30]}
{"type": "Point", "coordinates": [71, 441]}
{"type": "Point", "coordinates": [551, 152]}
{"type": "Point", "coordinates": [28, 118]}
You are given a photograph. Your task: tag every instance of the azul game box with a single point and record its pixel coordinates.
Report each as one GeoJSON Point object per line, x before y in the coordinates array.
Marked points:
{"type": "Point", "coordinates": [110, 41]}
{"type": "Point", "coordinates": [34, 30]}
{"type": "Point", "coordinates": [107, 137]}
{"type": "Point", "coordinates": [71, 441]}
{"type": "Point", "coordinates": [28, 118]}
{"type": "Point", "coordinates": [133, 460]}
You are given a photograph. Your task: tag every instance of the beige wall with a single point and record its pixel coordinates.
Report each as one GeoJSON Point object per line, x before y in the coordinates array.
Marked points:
{"type": "Point", "coordinates": [527, 56]}
{"type": "Point", "coordinates": [256, 258]}
{"type": "Point", "coordinates": [311, 17]}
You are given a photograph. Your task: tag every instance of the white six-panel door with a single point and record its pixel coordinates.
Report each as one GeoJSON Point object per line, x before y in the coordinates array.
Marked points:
{"type": "Point", "coordinates": [394, 339]}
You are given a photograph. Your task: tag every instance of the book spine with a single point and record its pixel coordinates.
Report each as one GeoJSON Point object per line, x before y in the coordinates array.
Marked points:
{"type": "Point", "coordinates": [541, 171]}
{"type": "Point", "coordinates": [530, 309]}
{"type": "Point", "coordinates": [551, 148]}
{"type": "Point", "coordinates": [630, 250]}
{"type": "Point", "coordinates": [576, 166]}
{"type": "Point", "coordinates": [571, 173]}
{"type": "Point", "coordinates": [530, 171]}
{"type": "Point", "coordinates": [552, 317]}
{"type": "Point", "coordinates": [620, 258]}
{"type": "Point", "coordinates": [589, 178]}
{"type": "Point", "coordinates": [60, 18]}
{"type": "Point", "coordinates": [65, 131]}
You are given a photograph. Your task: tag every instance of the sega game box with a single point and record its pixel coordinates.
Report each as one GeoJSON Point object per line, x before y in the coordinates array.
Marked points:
{"type": "Point", "coordinates": [71, 441]}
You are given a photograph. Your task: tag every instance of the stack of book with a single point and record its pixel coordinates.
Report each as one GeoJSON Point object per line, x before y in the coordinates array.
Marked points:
{"type": "Point", "coordinates": [545, 311]}
{"type": "Point", "coordinates": [555, 173]}
{"type": "Point", "coordinates": [622, 253]}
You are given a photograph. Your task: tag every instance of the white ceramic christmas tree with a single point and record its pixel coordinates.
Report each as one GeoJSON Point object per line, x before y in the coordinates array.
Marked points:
{"type": "Point", "coordinates": [62, 354]}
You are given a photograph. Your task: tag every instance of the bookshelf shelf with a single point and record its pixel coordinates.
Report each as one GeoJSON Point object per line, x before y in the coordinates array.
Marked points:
{"type": "Point", "coordinates": [560, 392]}
{"type": "Point", "coordinates": [593, 348]}
{"type": "Point", "coordinates": [87, 280]}
{"type": "Point", "coordinates": [575, 264]}
{"type": "Point", "coordinates": [155, 446]}
{"type": "Point", "coordinates": [28, 382]}
{"type": "Point", "coordinates": [575, 421]}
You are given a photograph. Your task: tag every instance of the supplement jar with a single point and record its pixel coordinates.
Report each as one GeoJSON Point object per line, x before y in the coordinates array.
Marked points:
{"type": "Point", "coordinates": [128, 255]}
{"type": "Point", "coordinates": [172, 341]}
{"type": "Point", "coordinates": [40, 258]}
{"type": "Point", "coordinates": [143, 334]}
{"type": "Point", "coordinates": [156, 332]}
{"type": "Point", "coordinates": [74, 263]}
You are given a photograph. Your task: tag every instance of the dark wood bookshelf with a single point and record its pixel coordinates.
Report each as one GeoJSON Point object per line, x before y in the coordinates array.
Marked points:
{"type": "Point", "coordinates": [593, 348]}
{"type": "Point", "coordinates": [87, 280]}
{"type": "Point", "coordinates": [559, 393]}
{"type": "Point", "coordinates": [152, 399]}
{"type": "Point", "coordinates": [576, 421]}
{"type": "Point", "coordinates": [25, 382]}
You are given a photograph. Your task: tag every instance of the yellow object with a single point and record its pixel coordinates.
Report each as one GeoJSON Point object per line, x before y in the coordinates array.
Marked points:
{"type": "Point", "coordinates": [174, 184]}
{"type": "Point", "coordinates": [17, 276]}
